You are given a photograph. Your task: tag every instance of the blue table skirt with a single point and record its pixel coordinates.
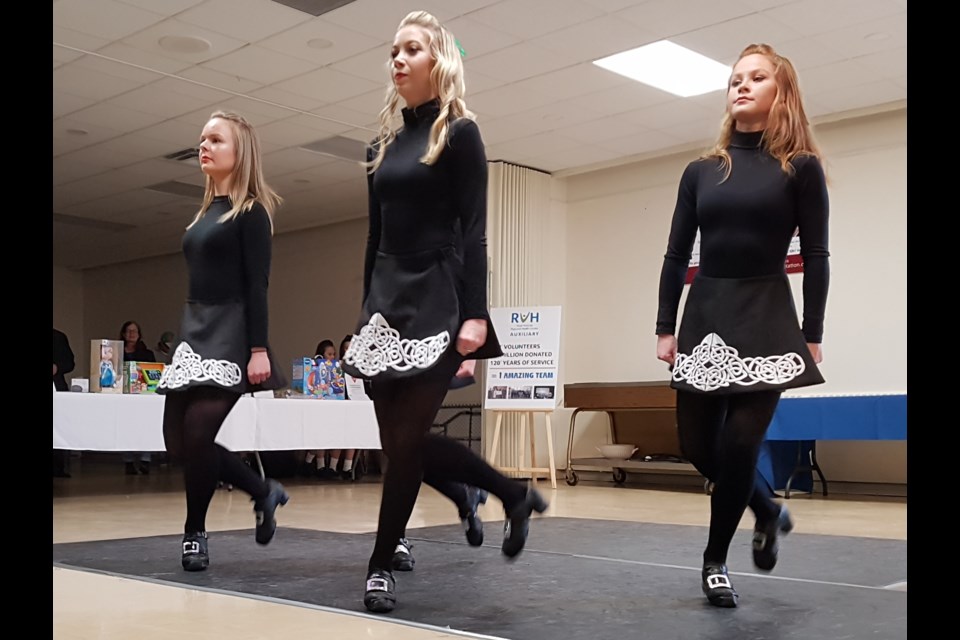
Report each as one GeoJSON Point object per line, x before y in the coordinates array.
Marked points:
{"type": "Point", "coordinates": [799, 422]}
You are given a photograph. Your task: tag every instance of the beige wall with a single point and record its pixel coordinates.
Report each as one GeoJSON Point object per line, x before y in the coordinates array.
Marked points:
{"type": "Point", "coordinates": [68, 314]}
{"type": "Point", "coordinates": [604, 246]}
{"type": "Point", "coordinates": [618, 221]}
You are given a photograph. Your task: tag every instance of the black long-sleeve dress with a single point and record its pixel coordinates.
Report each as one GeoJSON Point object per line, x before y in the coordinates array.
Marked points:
{"type": "Point", "coordinates": [425, 269]}
{"type": "Point", "coordinates": [740, 330]}
{"type": "Point", "coordinates": [226, 311]}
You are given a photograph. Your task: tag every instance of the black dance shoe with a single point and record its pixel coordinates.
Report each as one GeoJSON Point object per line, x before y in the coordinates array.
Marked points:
{"type": "Point", "coordinates": [403, 558]}
{"type": "Point", "coordinates": [517, 525]}
{"type": "Point", "coordinates": [717, 587]}
{"type": "Point", "coordinates": [381, 593]}
{"type": "Point", "coordinates": [266, 510]}
{"type": "Point", "coordinates": [472, 524]}
{"type": "Point", "coordinates": [765, 545]}
{"type": "Point", "coordinates": [195, 556]}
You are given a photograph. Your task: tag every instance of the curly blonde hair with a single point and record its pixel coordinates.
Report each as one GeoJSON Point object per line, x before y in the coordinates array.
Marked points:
{"type": "Point", "coordinates": [448, 82]}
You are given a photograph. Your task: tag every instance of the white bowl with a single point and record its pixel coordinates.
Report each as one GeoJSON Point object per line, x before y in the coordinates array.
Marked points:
{"type": "Point", "coordinates": [617, 451]}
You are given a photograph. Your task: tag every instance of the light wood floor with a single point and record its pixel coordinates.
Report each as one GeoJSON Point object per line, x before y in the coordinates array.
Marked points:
{"type": "Point", "coordinates": [100, 502]}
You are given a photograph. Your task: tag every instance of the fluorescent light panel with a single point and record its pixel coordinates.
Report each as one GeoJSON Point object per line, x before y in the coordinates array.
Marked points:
{"type": "Point", "coordinates": [669, 67]}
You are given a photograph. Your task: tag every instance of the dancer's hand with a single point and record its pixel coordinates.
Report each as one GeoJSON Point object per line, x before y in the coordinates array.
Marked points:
{"type": "Point", "coordinates": [54, 368]}
{"type": "Point", "coordinates": [467, 367]}
{"type": "Point", "coordinates": [667, 348]}
{"type": "Point", "coordinates": [258, 369]}
{"type": "Point", "coordinates": [473, 333]}
{"type": "Point", "coordinates": [816, 350]}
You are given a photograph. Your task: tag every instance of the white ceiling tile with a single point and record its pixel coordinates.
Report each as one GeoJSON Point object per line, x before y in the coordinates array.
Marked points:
{"type": "Point", "coordinates": [66, 169]}
{"type": "Point", "coordinates": [152, 172]}
{"type": "Point", "coordinates": [62, 55]}
{"type": "Point", "coordinates": [94, 62]}
{"type": "Point", "coordinates": [477, 38]}
{"type": "Point", "coordinates": [94, 156]}
{"type": "Point", "coordinates": [285, 98]}
{"type": "Point", "coordinates": [65, 103]}
{"type": "Point", "coordinates": [803, 53]}
{"type": "Point", "coordinates": [256, 111]}
{"type": "Point", "coordinates": [668, 114]}
{"type": "Point", "coordinates": [166, 7]}
{"type": "Point", "coordinates": [858, 96]}
{"type": "Point", "coordinates": [328, 85]}
{"type": "Point", "coordinates": [610, 6]}
{"type": "Point", "coordinates": [806, 18]}
{"type": "Point", "coordinates": [103, 18]}
{"type": "Point", "coordinates": [225, 82]}
{"type": "Point", "coordinates": [597, 38]}
{"type": "Point", "coordinates": [520, 61]}
{"type": "Point", "coordinates": [448, 10]}
{"type": "Point", "coordinates": [144, 148]}
{"type": "Point", "coordinates": [185, 87]}
{"type": "Point", "coordinates": [365, 135]}
{"type": "Point", "coordinates": [345, 42]}
{"type": "Point", "coordinates": [259, 64]}
{"type": "Point", "coordinates": [477, 82]}
{"type": "Point", "coordinates": [536, 145]}
{"type": "Point", "coordinates": [507, 100]}
{"type": "Point", "coordinates": [177, 134]}
{"type": "Point", "coordinates": [249, 20]}
{"type": "Point", "coordinates": [290, 133]}
{"type": "Point", "coordinates": [144, 59]}
{"type": "Point", "coordinates": [67, 40]}
{"type": "Point", "coordinates": [149, 40]}
{"type": "Point", "coordinates": [109, 115]}
{"type": "Point", "coordinates": [360, 115]}
{"type": "Point", "coordinates": [583, 156]}
{"type": "Point", "coordinates": [372, 65]}
{"type": "Point", "coordinates": [669, 18]}
{"type": "Point", "coordinates": [575, 81]}
{"type": "Point", "coordinates": [602, 129]}
{"type": "Point", "coordinates": [861, 39]}
{"type": "Point", "coordinates": [891, 63]}
{"type": "Point", "coordinates": [372, 18]}
{"type": "Point", "coordinates": [292, 160]}
{"type": "Point", "coordinates": [835, 76]}
{"type": "Point", "coordinates": [621, 98]}
{"type": "Point", "coordinates": [767, 4]}
{"type": "Point", "coordinates": [163, 104]}
{"type": "Point", "coordinates": [724, 42]}
{"type": "Point", "coordinates": [64, 142]}
{"type": "Point", "coordinates": [640, 143]}
{"type": "Point", "coordinates": [531, 18]}
{"type": "Point", "coordinates": [698, 131]}
{"type": "Point", "coordinates": [316, 127]}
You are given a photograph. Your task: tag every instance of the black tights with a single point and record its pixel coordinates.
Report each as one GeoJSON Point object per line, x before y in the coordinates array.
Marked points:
{"type": "Point", "coordinates": [721, 436]}
{"type": "Point", "coordinates": [191, 421]}
{"type": "Point", "coordinates": [405, 411]}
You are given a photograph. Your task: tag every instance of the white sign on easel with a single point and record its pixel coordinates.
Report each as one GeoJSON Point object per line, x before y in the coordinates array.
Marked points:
{"type": "Point", "coordinates": [525, 377]}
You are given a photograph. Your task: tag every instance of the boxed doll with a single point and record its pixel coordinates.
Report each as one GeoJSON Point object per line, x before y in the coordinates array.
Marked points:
{"type": "Point", "coordinates": [106, 366]}
{"type": "Point", "coordinates": [141, 377]}
{"type": "Point", "coordinates": [306, 378]}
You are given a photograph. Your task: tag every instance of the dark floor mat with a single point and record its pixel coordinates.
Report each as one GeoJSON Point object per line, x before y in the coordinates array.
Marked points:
{"type": "Point", "coordinates": [577, 579]}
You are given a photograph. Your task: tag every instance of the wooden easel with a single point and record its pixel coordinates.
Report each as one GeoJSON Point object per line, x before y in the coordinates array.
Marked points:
{"type": "Point", "coordinates": [527, 418]}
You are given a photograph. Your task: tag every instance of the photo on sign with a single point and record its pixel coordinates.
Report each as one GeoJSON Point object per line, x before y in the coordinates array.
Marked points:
{"type": "Point", "coordinates": [521, 393]}
{"type": "Point", "coordinates": [543, 393]}
{"type": "Point", "coordinates": [497, 393]}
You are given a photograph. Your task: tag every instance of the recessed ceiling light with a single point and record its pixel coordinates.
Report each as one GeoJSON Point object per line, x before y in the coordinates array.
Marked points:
{"type": "Point", "coordinates": [184, 44]}
{"type": "Point", "coordinates": [879, 35]}
{"type": "Point", "coordinates": [320, 43]}
{"type": "Point", "coordinates": [669, 67]}
{"type": "Point", "coordinates": [78, 132]}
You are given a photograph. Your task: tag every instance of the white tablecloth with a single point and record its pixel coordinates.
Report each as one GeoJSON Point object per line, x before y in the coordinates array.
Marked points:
{"type": "Point", "coordinates": [131, 422]}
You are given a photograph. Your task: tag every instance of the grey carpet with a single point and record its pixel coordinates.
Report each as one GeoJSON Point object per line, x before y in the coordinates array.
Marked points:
{"type": "Point", "coordinates": [577, 579]}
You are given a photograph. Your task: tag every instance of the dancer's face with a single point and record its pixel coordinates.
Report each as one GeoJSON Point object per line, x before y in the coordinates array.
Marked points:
{"type": "Point", "coordinates": [752, 92]}
{"type": "Point", "coordinates": [412, 65]}
{"type": "Point", "coordinates": [218, 149]}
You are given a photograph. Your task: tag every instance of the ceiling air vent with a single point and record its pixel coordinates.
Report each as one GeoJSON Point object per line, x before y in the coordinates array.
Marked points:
{"type": "Point", "coordinates": [184, 155]}
{"type": "Point", "coordinates": [314, 7]}
{"type": "Point", "coordinates": [339, 147]}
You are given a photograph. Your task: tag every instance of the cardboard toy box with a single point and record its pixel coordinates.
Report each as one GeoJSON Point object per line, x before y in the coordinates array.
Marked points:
{"type": "Point", "coordinates": [141, 377]}
{"type": "Point", "coordinates": [332, 383]}
{"type": "Point", "coordinates": [106, 366]}
{"type": "Point", "coordinates": [306, 378]}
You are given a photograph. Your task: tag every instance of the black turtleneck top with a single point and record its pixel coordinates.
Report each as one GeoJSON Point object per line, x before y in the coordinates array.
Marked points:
{"type": "Point", "coordinates": [230, 262]}
{"type": "Point", "coordinates": [416, 207]}
{"type": "Point", "coordinates": [746, 223]}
